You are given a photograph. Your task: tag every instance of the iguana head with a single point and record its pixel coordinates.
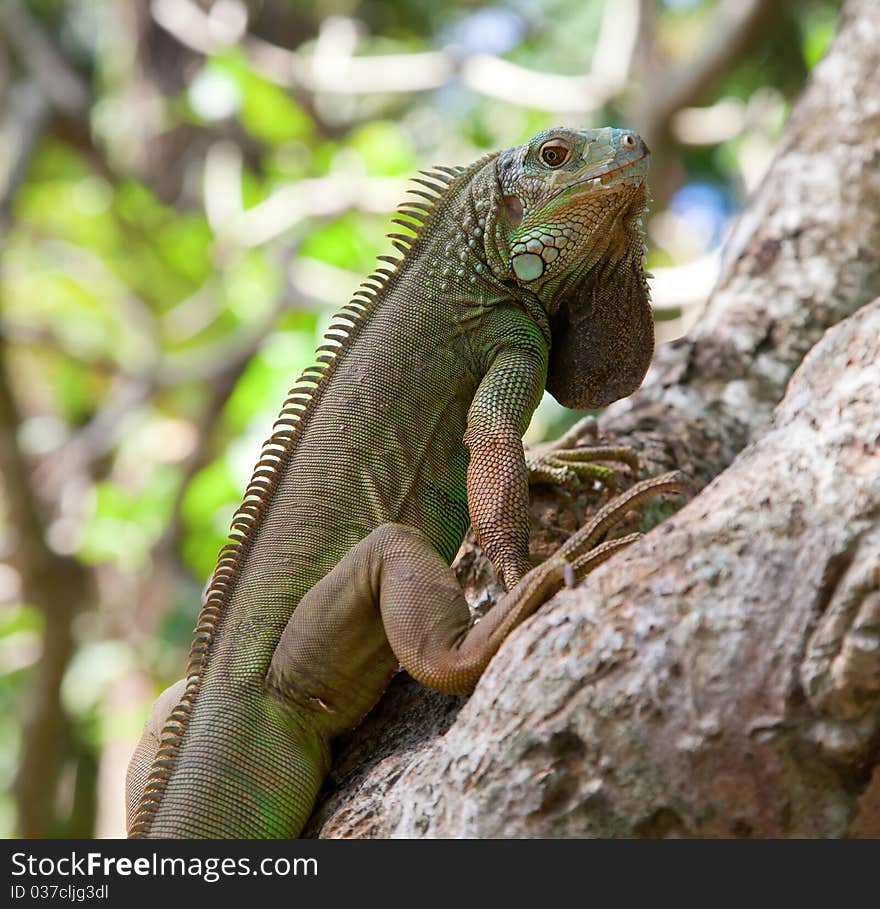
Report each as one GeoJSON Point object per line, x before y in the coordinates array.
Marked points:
{"type": "Point", "coordinates": [568, 229]}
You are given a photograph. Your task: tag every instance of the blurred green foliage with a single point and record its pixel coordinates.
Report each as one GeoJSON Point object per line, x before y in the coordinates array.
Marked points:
{"type": "Point", "coordinates": [128, 301]}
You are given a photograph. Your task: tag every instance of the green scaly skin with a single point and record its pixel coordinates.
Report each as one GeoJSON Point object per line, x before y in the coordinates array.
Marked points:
{"type": "Point", "coordinates": [523, 271]}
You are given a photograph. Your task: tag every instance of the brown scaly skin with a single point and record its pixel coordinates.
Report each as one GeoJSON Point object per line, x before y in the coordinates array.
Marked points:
{"type": "Point", "coordinates": [524, 272]}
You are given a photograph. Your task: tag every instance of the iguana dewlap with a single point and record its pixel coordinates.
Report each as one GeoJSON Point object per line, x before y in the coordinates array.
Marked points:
{"type": "Point", "coordinates": [520, 272]}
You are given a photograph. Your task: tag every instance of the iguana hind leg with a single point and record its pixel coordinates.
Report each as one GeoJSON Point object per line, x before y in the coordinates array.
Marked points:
{"type": "Point", "coordinates": [392, 600]}
{"type": "Point", "coordinates": [395, 600]}
{"type": "Point", "coordinates": [435, 639]}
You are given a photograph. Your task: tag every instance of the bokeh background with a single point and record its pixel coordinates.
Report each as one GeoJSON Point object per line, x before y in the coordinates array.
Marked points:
{"type": "Point", "coordinates": [187, 190]}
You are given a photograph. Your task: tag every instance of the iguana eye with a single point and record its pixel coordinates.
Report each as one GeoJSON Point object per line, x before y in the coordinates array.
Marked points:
{"type": "Point", "coordinates": [554, 155]}
{"type": "Point", "coordinates": [628, 141]}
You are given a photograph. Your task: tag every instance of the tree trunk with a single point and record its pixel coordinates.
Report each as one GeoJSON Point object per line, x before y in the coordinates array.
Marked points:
{"type": "Point", "coordinates": [722, 677]}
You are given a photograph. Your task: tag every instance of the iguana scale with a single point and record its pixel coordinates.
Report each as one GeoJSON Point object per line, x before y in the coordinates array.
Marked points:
{"type": "Point", "coordinates": [520, 272]}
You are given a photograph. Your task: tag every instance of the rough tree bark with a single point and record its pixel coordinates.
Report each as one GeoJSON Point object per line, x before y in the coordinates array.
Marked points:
{"type": "Point", "coordinates": [722, 677]}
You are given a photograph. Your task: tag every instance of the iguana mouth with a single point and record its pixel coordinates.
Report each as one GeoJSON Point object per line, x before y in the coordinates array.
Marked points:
{"type": "Point", "coordinates": [597, 178]}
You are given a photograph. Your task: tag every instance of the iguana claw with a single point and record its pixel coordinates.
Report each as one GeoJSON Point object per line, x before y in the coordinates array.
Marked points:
{"type": "Point", "coordinates": [569, 467]}
{"type": "Point", "coordinates": [585, 550]}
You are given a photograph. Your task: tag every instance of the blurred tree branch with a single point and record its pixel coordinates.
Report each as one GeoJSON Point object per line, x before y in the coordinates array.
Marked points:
{"type": "Point", "coordinates": [626, 43]}
{"type": "Point", "coordinates": [45, 64]}
{"type": "Point", "coordinates": [25, 122]}
{"type": "Point", "coordinates": [737, 27]}
{"type": "Point", "coordinates": [334, 69]}
{"type": "Point", "coordinates": [66, 94]}
{"type": "Point", "coordinates": [56, 585]}
{"type": "Point", "coordinates": [223, 369]}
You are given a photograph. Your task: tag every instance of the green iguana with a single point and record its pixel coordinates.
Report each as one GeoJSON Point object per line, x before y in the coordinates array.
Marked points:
{"type": "Point", "coordinates": [520, 272]}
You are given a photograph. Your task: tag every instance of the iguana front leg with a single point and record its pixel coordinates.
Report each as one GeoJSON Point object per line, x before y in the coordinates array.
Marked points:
{"type": "Point", "coordinates": [497, 479]}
